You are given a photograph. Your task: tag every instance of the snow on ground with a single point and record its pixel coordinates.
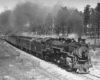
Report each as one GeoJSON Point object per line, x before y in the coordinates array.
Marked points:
{"type": "Point", "coordinates": [50, 68]}
{"type": "Point", "coordinates": [96, 68]}
{"type": "Point", "coordinates": [72, 35]}
{"type": "Point", "coordinates": [14, 66]}
{"type": "Point", "coordinates": [95, 57]}
{"type": "Point", "coordinates": [92, 41]}
{"type": "Point", "coordinates": [95, 54]}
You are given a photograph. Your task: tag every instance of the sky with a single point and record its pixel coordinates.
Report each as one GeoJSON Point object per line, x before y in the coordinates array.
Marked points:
{"type": "Point", "coordinates": [79, 4]}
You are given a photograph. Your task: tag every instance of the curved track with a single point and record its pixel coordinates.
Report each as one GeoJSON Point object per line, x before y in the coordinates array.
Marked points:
{"type": "Point", "coordinates": [90, 76]}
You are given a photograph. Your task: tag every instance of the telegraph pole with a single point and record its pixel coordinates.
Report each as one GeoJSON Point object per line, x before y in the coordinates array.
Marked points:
{"type": "Point", "coordinates": [95, 38]}
{"type": "Point", "coordinates": [53, 27]}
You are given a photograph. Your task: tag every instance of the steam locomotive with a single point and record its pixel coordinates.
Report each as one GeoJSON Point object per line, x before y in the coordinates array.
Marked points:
{"type": "Point", "coordinates": [66, 53]}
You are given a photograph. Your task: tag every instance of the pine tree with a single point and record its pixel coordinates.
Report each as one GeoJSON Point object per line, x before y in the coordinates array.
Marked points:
{"type": "Point", "coordinates": [86, 17]}
{"type": "Point", "coordinates": [98, 18]}
{"type": "Point", "coordinates": [62, 19]}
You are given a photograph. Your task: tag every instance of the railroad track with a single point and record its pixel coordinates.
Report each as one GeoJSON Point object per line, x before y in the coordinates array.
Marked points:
{"type": "Point", "coordinates": [90, 76]}
{"type": "Point", "coordinates": [97, 68]}
{"type": "Point", "coordinates": [95, 76]}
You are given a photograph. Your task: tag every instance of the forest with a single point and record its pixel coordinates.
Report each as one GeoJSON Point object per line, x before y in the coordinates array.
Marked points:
{"type": "Point", "coordinates": [39, 19]}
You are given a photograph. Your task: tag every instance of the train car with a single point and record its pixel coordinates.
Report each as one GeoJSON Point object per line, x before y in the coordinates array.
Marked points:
{"type": "Point", "coordinates": [41, 46]}
{"type": "Point", "coordinates": [12, 39]}
{"type": "Point", "coordinates": [36, 47]}
{"type": "Point", "coordinates": [24, 43]}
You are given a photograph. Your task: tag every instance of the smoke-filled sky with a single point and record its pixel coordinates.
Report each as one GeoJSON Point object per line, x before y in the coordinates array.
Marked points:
{"type": "Point", "coordinates": [79, 4]}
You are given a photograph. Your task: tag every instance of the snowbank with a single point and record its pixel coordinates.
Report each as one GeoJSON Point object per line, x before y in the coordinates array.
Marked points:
{"type": "Point", "coordinates": [72, 35]}
{"type": "Point", "coordinates": [95, 54]}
